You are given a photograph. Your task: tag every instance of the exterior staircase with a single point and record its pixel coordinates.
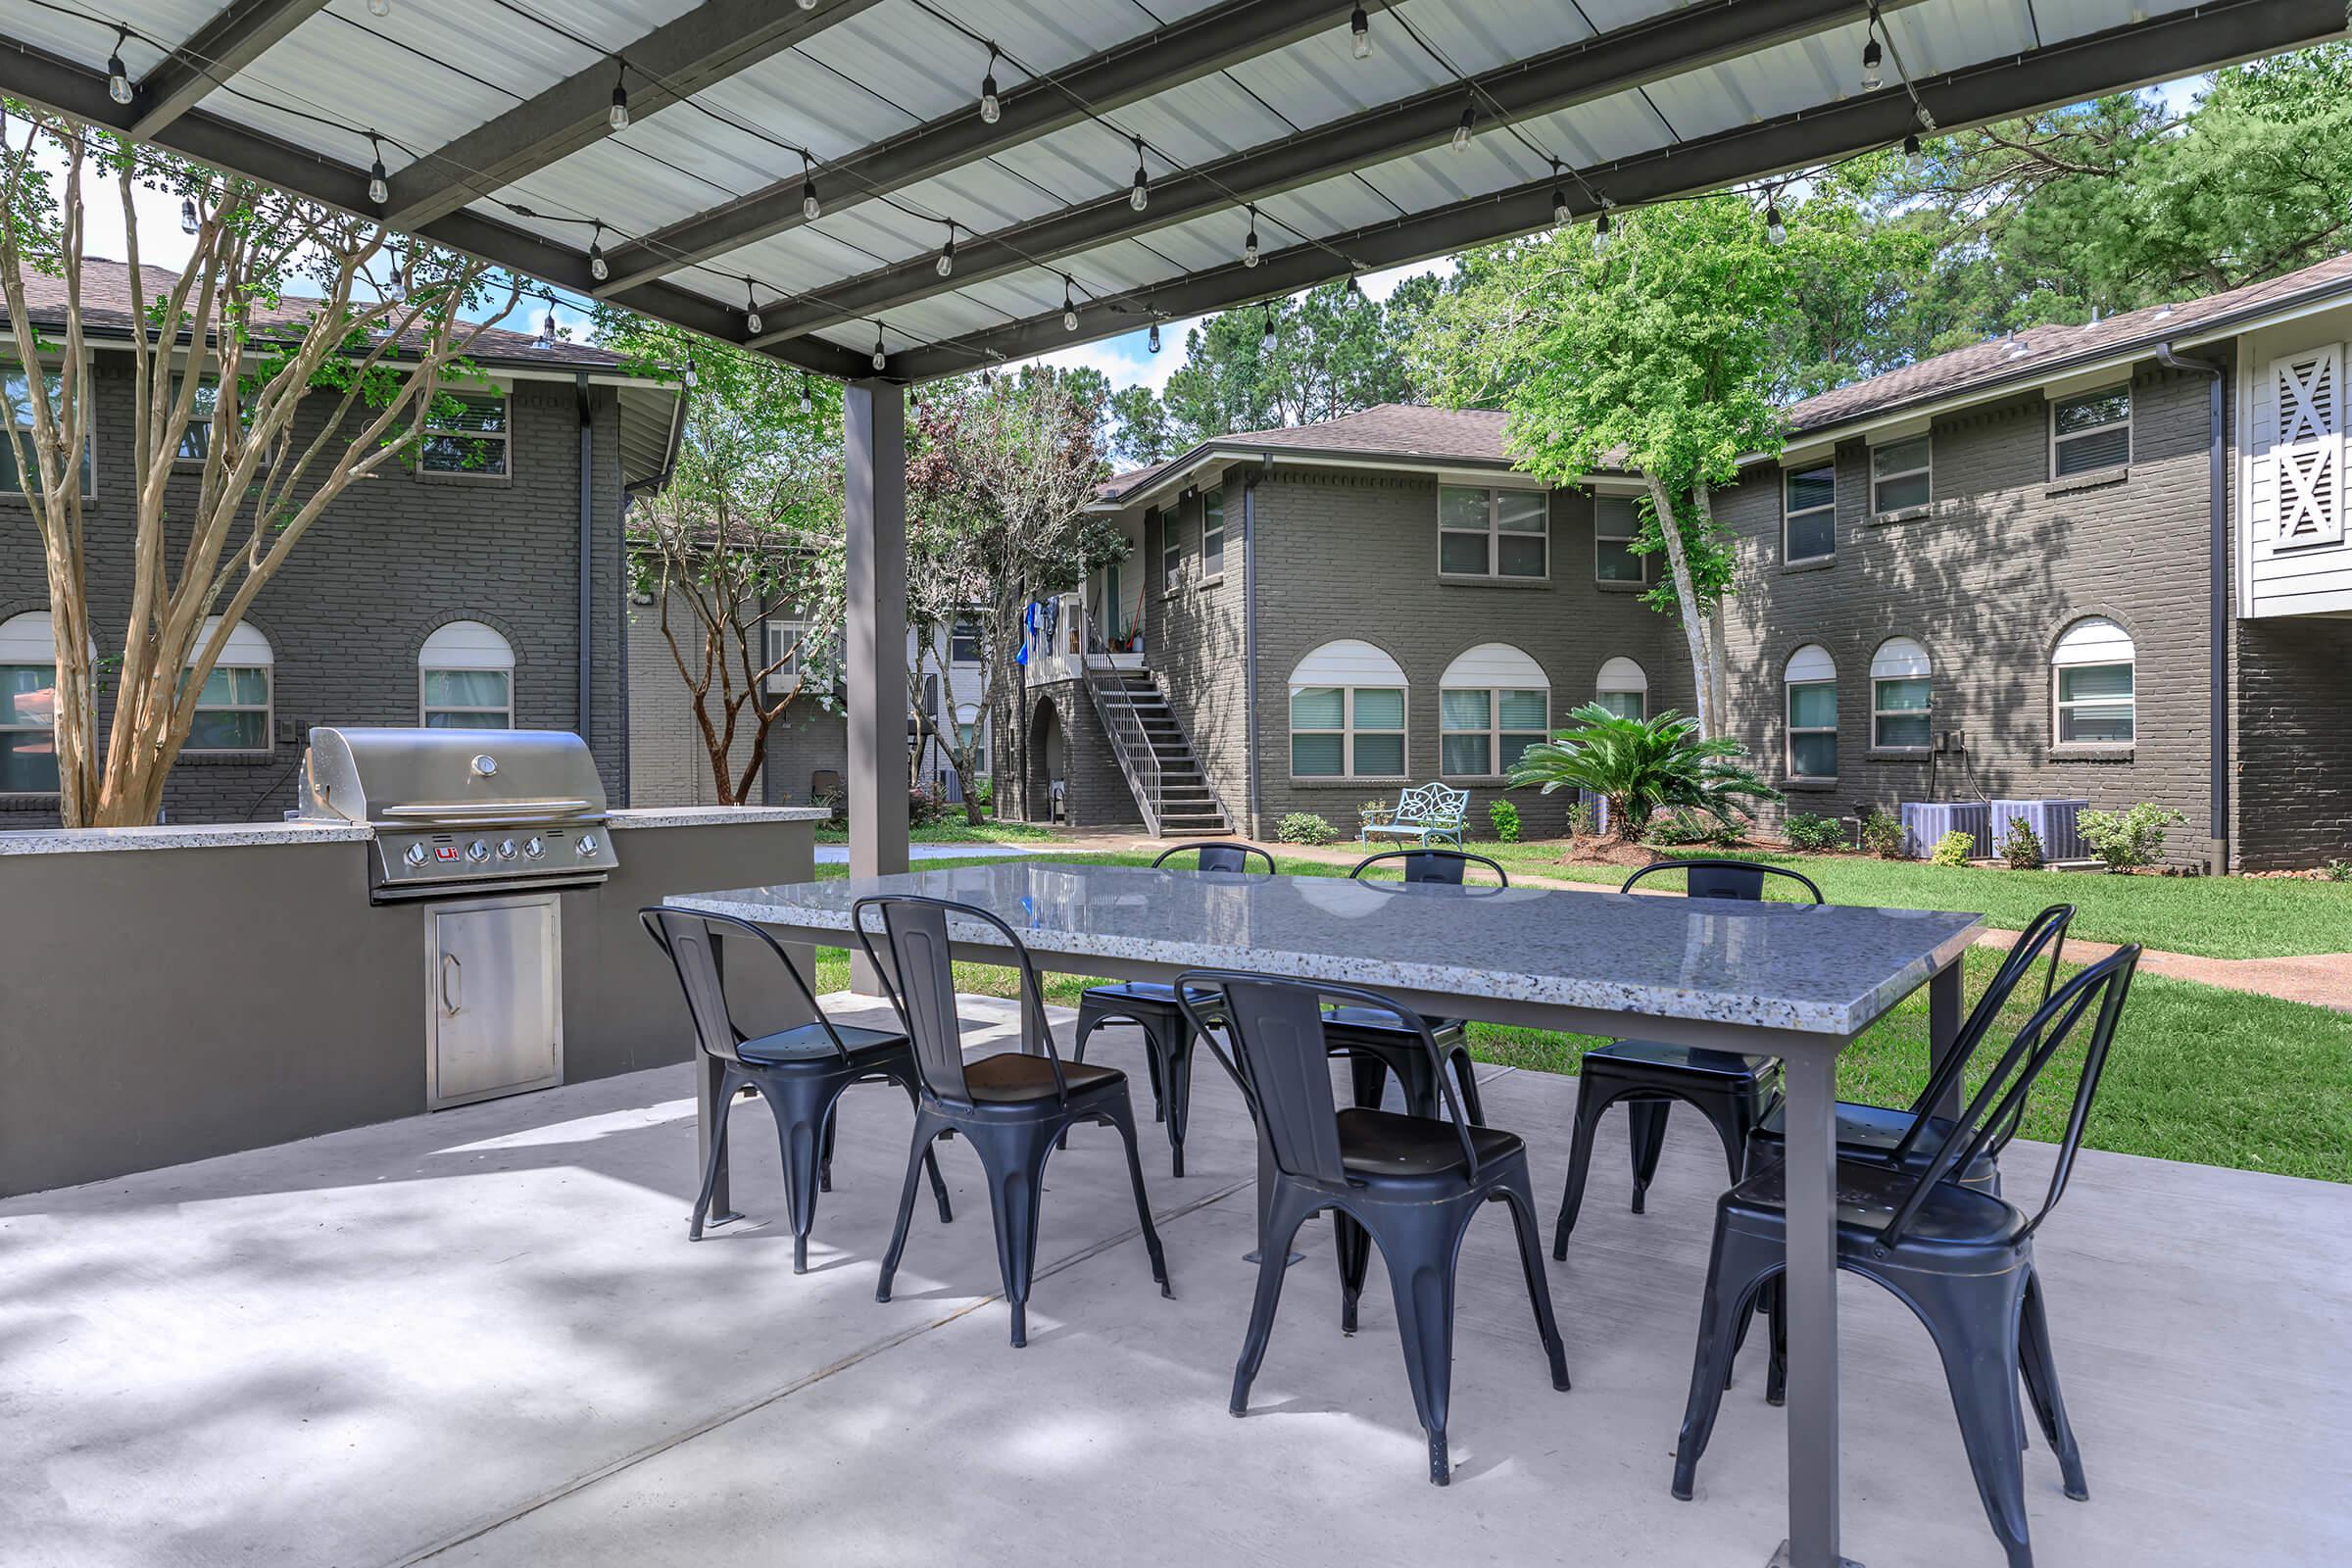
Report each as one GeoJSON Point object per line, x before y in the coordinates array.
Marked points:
{"type": "Point", "coordinates": [1154, 754]}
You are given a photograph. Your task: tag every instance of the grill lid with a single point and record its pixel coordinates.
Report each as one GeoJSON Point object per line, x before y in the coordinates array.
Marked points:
{"type": "Point", "coordinates": [412, 777]}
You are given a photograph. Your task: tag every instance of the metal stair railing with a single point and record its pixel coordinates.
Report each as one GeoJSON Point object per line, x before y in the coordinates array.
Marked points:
{"type": "Point", "coordinates": [1114, 704]}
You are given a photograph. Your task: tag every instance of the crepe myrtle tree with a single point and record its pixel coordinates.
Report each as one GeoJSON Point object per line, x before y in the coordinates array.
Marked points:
{"type": "Point", "coordinates": [285, 338]}
{"type": "Point", "coordinates": [999, 475]}
{"type": "Point", "coordinates": [745, 532]}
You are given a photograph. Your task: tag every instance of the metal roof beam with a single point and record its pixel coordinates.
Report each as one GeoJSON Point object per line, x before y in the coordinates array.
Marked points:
{"type": "Point", "coordinates": [1225, 34]}
{"type": "Point", "coordinates": [2160, 49]}
{"type": "Point", "coordinates": [1652, 49]}
{"type": "Point", "coordinates": [701, 48]}
{"type": "Point", "coordinates": [234, 39]}
{"type": "Point", "coordinates": [71, 90]}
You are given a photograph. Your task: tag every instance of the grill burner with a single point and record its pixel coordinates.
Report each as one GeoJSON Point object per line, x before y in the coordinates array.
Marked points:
{"type": "Point", "coordinates": [465, 810]}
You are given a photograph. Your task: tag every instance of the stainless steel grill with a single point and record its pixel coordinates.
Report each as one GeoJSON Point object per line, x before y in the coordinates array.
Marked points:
{"type": "Point", "coordinates": [465, 810]}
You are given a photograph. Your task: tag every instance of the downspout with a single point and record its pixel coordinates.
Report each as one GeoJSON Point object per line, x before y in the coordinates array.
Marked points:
{"type": "Point", "coordinates": [587, 556]}
{"type": "Point", "coordinates": [1249, 629]}
{"type": "Point", "coordinates": [2217, 694]}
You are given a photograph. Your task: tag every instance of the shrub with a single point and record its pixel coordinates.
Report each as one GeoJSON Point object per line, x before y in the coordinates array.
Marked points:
{"type": "Point", "coordinates": [1583, 820]}
{"type": "Point", "coordinates": [1505, 817]}
{"type": "Point", "coordinates": [2021, 848]}
{"type": "Point", "coordinates": [1642, 766]}
{"type": "Point", "coordinates": [1305, 827]}
{"type": "Point", "coordinates": [1806, 831]}
{"type": "Point", "coordinates": [2337, 870]}
{"type": "Point", "coordinates": [2128, 838]}
{"type": "Point", "coordinates": [1883, 835]}
{"type": "Point", "coordinates": [1954, 847]}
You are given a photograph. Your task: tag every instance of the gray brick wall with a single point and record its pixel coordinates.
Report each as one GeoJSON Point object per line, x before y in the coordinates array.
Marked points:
{"type": "Point", "coordinates": [1193, 635]}
{"type": "Point", "coordinates": [2292, 793]}
{"type": "Point", "coordinates": [395, 557]}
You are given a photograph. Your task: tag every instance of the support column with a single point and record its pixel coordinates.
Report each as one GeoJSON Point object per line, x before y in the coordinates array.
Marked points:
{"type": "Point", "coordinates": [875, 431]}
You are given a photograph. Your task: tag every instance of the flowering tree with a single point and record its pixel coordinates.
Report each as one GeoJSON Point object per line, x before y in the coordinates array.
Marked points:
{"type": "Point", "coordinates": [302, 397]}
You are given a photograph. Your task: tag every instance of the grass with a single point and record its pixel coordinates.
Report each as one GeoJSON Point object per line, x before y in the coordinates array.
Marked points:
{"type": "Point", "coordinates": [2198, 1073]}
{"type": "Point", "coordinates": [953, 831]}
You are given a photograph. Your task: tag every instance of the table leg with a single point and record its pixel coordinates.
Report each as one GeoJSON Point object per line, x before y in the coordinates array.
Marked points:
{"type": "Point", "coordinates": [708, 1109]}
{"type": "Point", "coordinates": [1812, 1292]}
{"type": "Point", "coordinates": [1946, 999]}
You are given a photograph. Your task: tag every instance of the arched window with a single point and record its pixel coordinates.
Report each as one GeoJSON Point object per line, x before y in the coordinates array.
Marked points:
{"type": "Point", "coordinates": [233, 711]}
{"type": "Point", "coordinates": [1347, 714]}
{"type": "Point", "coordinates": [2092, 685]}
{"type": "Point", "coordinates": [1493, 702]}
{"type": "Point", "coordinates": [1899, 693]}
{"type": "Point", "coordinates": [1812, 681]}
{"type": "Point", "coordinates": [466, 678]}
{"type": "Point", "coordinates": [27, 704]}
{"type": "Point", "coordinates": [1623, 689]}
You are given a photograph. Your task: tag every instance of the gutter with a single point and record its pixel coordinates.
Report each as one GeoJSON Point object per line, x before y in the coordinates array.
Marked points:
{"type": "Point", "coordinates": [2216, 696]}
{"type": "Point", "coordinates": [1250, 635]}
{"type": "Point", "coordinates": [587, 557]}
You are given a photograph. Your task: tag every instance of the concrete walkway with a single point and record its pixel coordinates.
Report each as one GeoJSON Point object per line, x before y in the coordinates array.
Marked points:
{"type": "Point", "coordinates": [481, 1337]}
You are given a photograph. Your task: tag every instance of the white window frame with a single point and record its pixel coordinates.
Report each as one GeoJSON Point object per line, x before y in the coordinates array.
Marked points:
{"type": "Point", "coordinates": [1212, 563]}
{"type": "Point", "coordinates": [1495, 733]}
{"type": "Point", "coordinates": [1171, 550]}
{"type": "Point", "coordinates": [1791, 513]}
{"type": "Point", "coordinates": [2056, 404]}
{"type": "Point", "coordinates": [779, 633]}
{"type": "Point", "coordinates": [978, 639]}
{"type": "Point", "coordinates": [1882, 675]}
{"type": "Point", "coordinates": [17, 652]}
{"type": "Point", "coordinates": [1347, 733]}
{"type": "Point", "coordinates": [2059, 706]}
{"type": "Point", "coordinates": [9, 363]}
{"type": "Point", "coordinates": [267, 665]}
{"type": "Point", "coordinates": [505, 437]}
{"type": "Point", "coordinates": [1600, 539]}
{"type": "Point", "coordinates": [1493, 534]}
{"type": "Point", "coordinates": [1927, 439]}
{"type": "Point", "coordinates": [1788, 689]}
{"type": "Point", "coordinates": [1604, 689]}
{"type": "Point", "coordinates": [426, 710]}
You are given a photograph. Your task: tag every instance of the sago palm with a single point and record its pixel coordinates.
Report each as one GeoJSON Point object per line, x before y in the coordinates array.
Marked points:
{"type": "Point", "coordinates": [1642, 766]}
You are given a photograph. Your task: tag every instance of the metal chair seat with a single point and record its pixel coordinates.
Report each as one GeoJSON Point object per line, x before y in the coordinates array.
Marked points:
{"type": "Point", "coordinates": [1686, 1059]}
{"type": "Point", "coordinates": [1868, 1198]}
{"type": "Point", "coordinates": [1875, 1133]}
{"type": "Point", "coordinates": [1157, 991]}
{"type": "Point", "coordinates": [810, 1043]}
{"type": "Point", "coordinates": [1382, 1149]}
{"type": "Point", "coordinates": [1340, 1022]}
{"type": "Point", "coordinates": [1015, 1078]}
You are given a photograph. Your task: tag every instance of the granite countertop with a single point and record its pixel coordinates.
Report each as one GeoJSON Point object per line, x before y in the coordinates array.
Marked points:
{"type": "Point", "coordinates": [179, 836]}
{"type": "Point", "coordinates": [714, 816]}
{"type": "Point", "coordinates": [1819, 969]}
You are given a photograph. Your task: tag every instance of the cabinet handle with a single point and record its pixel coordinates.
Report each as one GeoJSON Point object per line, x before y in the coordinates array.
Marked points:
{"type": "Point", "coordinates": [450, 966]}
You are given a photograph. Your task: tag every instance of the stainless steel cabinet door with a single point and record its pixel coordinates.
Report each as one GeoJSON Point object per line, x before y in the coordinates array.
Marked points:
{"type": "Point", "coordinates": [494, 997]}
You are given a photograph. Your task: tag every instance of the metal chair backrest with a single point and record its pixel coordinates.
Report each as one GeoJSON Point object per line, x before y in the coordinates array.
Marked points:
{"type": "Point", "coordinates": [1716, 878]}
{"type": "Point", "coordinates": [1280, 1060]}
{"type": "Point", "coordinates": [1997, 1107]}
{"type": "Point", "coordinates": [920, 980]}
{"type": "Point", "coordinates": [691, 944]}
{"type": "Point", "coordinates": [1216, 857]}
{"type": "Point", "coordinates": [1444, 867]}
{"type": "Point", "coordinates": [2047, 930]}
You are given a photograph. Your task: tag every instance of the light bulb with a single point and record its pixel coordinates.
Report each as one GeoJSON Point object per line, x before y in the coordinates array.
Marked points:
{"type": "Point", "coordinates": [117, 80]}
{"type": "Point", "coordinates": [808, 5]}
{"type": "Point", "coordinates": [693, 378]}
{"type": "Point", "coordinates": [598, 268]}
{"type": "Point", "coordinates": [1601, 234]}
{"type": "Point", "coordinates": [379, 191]}
{"type": "Point", "coordinates": [809, 207]}
{"type": "Point", "coordinates": [1461, 132]}
{"type": "Point", "coordinates": [808, 403]}
{"type": "Point", "coordinates": [1911, 144]}
{"type": "Point", "coordinates": [618, 115]}
{"type": "Point", "coordinates": [1776, 233]}
{"type": "Point", "coordinates": [1069, 308]}
{"type": "Point", "coordinates": [1266, 337]}
{"type": "Point", "coordinates": [1359, 28]}
{"type": "Point", "coordinates": [1250, 241]}
{"type": "Point", "coordinates": [1139, 195]}
{"type": "Point", "coordinates": [881, 353]}
{"type": "Point", "coordinates": [990, 110]}
{"type": "Point", "coordinates": [380, 8]}
{"type": "Point", "coordinates": [1560, 214]}
{"type": "Point", "coordinates": [1872, 54]}
{"type": "Point", "coordinates": [946, 256]}
{"type": "Point", "coordinates": [187, 215]}
{"type": "Point", "coordinates": [751, 322]}
{"type": "Point", "coordinates": [1153, 340]}
{"type": "Point", "coordinates": [547, 328]}
{"type": "Point", "coordinates": [1355, 290]}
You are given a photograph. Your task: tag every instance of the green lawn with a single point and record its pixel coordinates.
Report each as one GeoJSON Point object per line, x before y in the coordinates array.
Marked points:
{"type": "Point", "coordinates": [2198, 1073]}
{"type": "Point", "coordinates": [954, 832]}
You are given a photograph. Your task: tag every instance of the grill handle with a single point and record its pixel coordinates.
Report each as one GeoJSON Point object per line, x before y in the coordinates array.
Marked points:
{"type": "Point", "coordinates": [489, 811]}
{"type": "Point", "coordinates": [450, 966]}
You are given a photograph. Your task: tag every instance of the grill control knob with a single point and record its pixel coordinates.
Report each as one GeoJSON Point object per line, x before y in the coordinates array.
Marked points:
{"type": "Point", "coordinates": [415, 854]}
{"type": "Point", "coordinates": [477, 851]}
{"type": "Point", "coordinates": [506, 849]}
{"type": "Point", "coordinates": [533, 848]}
{"type": "Point", "coordinates": [587, 844]}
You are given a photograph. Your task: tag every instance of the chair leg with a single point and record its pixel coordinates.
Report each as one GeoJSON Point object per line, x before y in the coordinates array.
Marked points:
{"type": "Point", "coordinates": [1519, 1197]}
{"type": "Point", "coordinates": [1589, 1105]}
{"type": "Point", "coordinates": [804, 1112]}
{"type": "Point", "coordinates": [1422, 1096]}
{"type": "Point", "coordinates": [1738, 1267]}
{"type": "Point", "coordinates": [1014, 1159]}
{"type": "Point", "coordinates": [1370, 1078]}
{"type": "Point", "coordinates": [1354, 1250]}
{"type": "Point", "coordinates": [938, 1187]}
{"type": "Point", "coordinates": [1465, 1079]}
{"type": "Point", "coordinates": [1121, 1112]}
{"type": "Point", "coordinates": [1176, 1103]}
{"type": "Point", "coordinates": [926, 1129]}
{"type": "Point", "coordinates": [1648, 1136]}
{"type": "Point", "coordinates": [1975, 1325]}
{"type": "Point", "coordinates": [1732, 1120]}
{"type": "Point", "coordinates": [728, 1084]}
{"type": "Point", "coordinates": [1420, 1248]}
{"type": "Point", "coordinates": [1776, 1311]}
{"type": "Point", "coordinates": [824, 1163]}
{"type": "Point", "coordinates": [1287, 1211]}
{"type": "Point", "coordinates": [2040, 1370]}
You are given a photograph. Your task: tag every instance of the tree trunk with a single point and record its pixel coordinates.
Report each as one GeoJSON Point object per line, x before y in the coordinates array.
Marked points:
{"type": "Point", "coordinates": [1719, 648]}
{"type": "Point", "coordinates": [1686, 594]}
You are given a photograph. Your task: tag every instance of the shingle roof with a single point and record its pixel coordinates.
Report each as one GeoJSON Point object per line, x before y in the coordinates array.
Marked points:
{"type": "Point", "coordinates": [1386, 429]}
{"type": "Point", "coordinates": [106, 306]}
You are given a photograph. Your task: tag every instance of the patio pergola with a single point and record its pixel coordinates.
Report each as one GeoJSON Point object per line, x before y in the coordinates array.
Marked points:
{"type": "Point", "coordinates": [825, 182]}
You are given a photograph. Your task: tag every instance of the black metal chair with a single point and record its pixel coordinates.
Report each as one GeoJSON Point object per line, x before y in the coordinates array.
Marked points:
{"type": "Point", "coordinates": [1732, 1090]}
{"type": "Point", "coordinates": [1151, 1006]}
{"type": "Point", "coordinates": [1012, 1106]}
{"type": "Point", "coordinates": [1375, 1044]}
{"type": "Point", "coordinates": [1411, 1183]}
{"type": "Point", "coordinates": [1960, 1259]}
{"type": "Point", "coordinates": [801, 1071]}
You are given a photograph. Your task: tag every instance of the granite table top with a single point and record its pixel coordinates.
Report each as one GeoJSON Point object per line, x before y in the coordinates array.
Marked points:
{"type": "Point", "coordinates": [1819, 969]}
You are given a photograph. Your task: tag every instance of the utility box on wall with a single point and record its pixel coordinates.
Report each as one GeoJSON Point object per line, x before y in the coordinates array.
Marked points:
{"type": "Point", "coordinates": [1926, 822]}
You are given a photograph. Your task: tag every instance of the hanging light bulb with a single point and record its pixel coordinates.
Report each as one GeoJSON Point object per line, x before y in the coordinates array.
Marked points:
{"type": "Point", "coordinates": [1600, 231]}
{"type": "Point", "coordinates": [991, 109]}
{"type": "Point", "coordinates": [380, 8]}
{"type": "Point", "coordinates": [1249, 240]}
{"type": "Point", "coordinates": [1355, 290]}
{"type": "Point", "coordinates": [1560, 212]}
{"type": "Point", "coordinates": [1872, 54]}
{"type": "Point", "coordinates": [808, 403]}
{"type": "Point", "coordinates": [947, 254]}
{"type": "Point", "coordinates": [693, 377]}
{"type": "Point", "coordinates": [618, 115]}
{"type": "Point", "coordinates": [187, 215]}
{"type": "Point", "coordinates": [1911, 144]}
{"type": "Point", "coordinates": [1153, 340]}
{"type": "Point", "coordinates": [808, 5]}
{"type": "Point", "coordinates": [379, 190]}
{"type": "Point", "coordinates": [117, 79]}
{"type": "Point", "coordinates": [547, 328]}
{"type": "Point", "coordinates": [881, 353]}
{"type": "Point", "coordinates": [1359, 31]}
{"type": "Point", "coordinates": [598, 268]}
{"type": "Point", "coordinates": [1070, 307]}
{"type": "Point", "coordinates": [1469, 123]}
{"type": "Point", "coordinates": [398, 284]}
{"type": "Point", "coordinates": [809, 207]}
{"type": "Point", "coordinates": [753, 324]}
{"type": "Point", "coordinates": [1266, 337]}
{"type": "Point", "coordinates": [1138, 196]}
{"type": "Point", "coordinates": [1776, 233]}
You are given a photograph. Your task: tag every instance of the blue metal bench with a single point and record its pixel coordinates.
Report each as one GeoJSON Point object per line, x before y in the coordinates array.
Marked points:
{"type": "Point", "coordinates": [1429, 814]}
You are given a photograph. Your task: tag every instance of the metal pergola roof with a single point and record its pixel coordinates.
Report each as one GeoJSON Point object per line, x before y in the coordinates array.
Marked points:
{"type": "Point", "coordinates": [493, 119]}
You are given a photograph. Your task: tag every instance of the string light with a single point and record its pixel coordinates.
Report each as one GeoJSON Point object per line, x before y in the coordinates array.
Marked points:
{"type": "Point", "coordinates": [1070, 307]}
{"type": "Point", "coordinates": [808, 403]}
{"type": "Point", "coordinates": [1600, 229]}
{"type": "Point", "coordinates": [947, 254]}
{"type": "Point", "coordinates": [1359, 28]}
{"type": "Point", "coordinates": [379, 190]}
{"type": "Point", "coordinates": [380, 8]}
{"type": "Point", "coordinates": [809, 207]}
{"type": "Point", "coordinates": [808, 5]}
{"type": "Point", "coordinates": [1249, 240]}
{"type": "Point", "coordinates": [117, 80]}
{"type": "Point", "coordinates": [990, 110]}
{"type": "Point", "coordinates": [1560, 212]}
{"type": "Point", "coordinates": [1140, 196]}
{"type": "Point", "coordinates": [398, 284]}
{"type": "Point", "coordinates": [618, 115]}
{"type": "Point", "coordinates": [1265, 338]}
{"type": "Point", "coordinates": [751, 315]}
{"type": "Point", "coordinates": [1911, 144]}
{"type": "Point", "coordinates": [547, 329]}
{"type": "Point", "coordinates": [1871, 55]}
{"type": "Point", "coordinates": [187, 215]}
{"type": "Point", "coordinates": [598, 268]}
{"type": "Point", "coordinates": [1469, 123]}
{"type": "Point", "coordinates": [1154, 339]}
{"type": "Point", "coordinates": [881, 353]}
{"type": "Point", "coordinates": [693, 377]}
{"type": "Point", "coordinates": [1776, 233]}
{"type": "Point", "coordinates": [1355, 290]}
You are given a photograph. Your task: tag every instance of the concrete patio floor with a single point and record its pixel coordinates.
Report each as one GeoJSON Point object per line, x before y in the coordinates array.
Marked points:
{"type": "Point", "coordinates": [481, 1337]}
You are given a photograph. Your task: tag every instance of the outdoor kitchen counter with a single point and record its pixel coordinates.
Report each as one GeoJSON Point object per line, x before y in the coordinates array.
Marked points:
{"type": "Point", "coordinates": [179, 836]}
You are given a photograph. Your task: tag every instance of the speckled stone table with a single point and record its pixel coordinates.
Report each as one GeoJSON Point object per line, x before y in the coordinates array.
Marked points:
{"type": "Point", "coordinates": [1794, 981]}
